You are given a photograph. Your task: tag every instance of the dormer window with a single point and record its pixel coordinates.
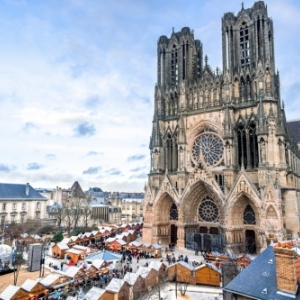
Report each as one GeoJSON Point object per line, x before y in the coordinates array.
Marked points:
{"type": "Point", "coordinates": [244, 45]}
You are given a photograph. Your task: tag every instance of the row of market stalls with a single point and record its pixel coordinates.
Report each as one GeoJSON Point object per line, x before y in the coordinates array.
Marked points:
{"type": "Point", "coordinates": [78, 252]}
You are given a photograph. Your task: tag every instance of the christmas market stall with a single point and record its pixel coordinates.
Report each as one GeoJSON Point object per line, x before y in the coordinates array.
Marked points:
{"type": "Point", "coordinates": [59, 250]}
{"type": "Point", "coordinates": [13, 292]}
{"type": "Point", "coordinates": [34, 289]}
{"type": "Point", "coordinates": [207, 274]}
{"type": "Point", "coordinates": [181, 272]}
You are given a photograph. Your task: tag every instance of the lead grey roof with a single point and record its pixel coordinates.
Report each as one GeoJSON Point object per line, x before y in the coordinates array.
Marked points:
{"type": "Point", "coordinates": [262, 275]}
{"type": "Point", "coordinates": [18, 191]}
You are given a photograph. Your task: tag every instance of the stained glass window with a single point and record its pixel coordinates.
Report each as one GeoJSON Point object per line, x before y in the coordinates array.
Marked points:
{"type": "Point", "coordinates": [249, 215]}
{"type": "Point", "coordinates": [210, 146]}
{"type": "Point", "coordinates": [208, 210]}
{"type": "Point", "coordinates": [173, 212]}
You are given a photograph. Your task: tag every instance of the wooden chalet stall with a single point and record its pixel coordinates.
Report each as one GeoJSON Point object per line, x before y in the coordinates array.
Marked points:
{"type": "Point", "coordinates": [155, 250]}
{"type": "Point", "coordinates": [26, 238]}
{"type": "Point", "coordinates": [96, 236]}
{"type": "Point", "coordinates": [117, 289]}
{"type": "Point", "coordinates": [137, 284]}
{"type": "Point", "coordinates": [59, 250]}
{"type": "Point", "coordinates": [160, 267]}
{"type": "Point", "coordinates": [181, 272]}
{"type": "Point", "coordinates": [13, 292]}
{"type": "Point", "coordinates": [115, 244]}
{"type": "Point", "coordinates": [133, 235]}
{"type": "Point", "coordinates": [149, 275]}
{"type": "Point", "coordinates": [125, 227]}
{"type": "Point", "coordinates": [34, 288]}
{"type": "Point", "coordinates": [207, 275]}
{"type": "Point", "coordinates": [75, 254]}
{"type": "Point", "coordinates": [95, 293]}
{"type": "Point", "coordinates": [54, 281]}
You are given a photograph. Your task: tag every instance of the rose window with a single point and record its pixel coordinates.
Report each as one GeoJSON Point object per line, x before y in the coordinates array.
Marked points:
{"type": "Point", "coordinates": [208, 210]}
{"type": "Point", "coordinates": [210, 147]}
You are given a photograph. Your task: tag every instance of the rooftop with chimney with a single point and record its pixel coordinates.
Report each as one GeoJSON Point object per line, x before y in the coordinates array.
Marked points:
{"type": "Point", "coordinates": [19, 192]}
{"type": "Point", "coordinates": [274, 274]}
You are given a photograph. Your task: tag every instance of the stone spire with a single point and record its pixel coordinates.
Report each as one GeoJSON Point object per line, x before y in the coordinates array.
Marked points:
{"type": "Point", "coordinates": [155, 140]}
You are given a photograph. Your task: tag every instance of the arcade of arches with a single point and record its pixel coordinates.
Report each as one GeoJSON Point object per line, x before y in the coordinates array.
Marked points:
{"type": "Point", "coordinates": [202, 211]}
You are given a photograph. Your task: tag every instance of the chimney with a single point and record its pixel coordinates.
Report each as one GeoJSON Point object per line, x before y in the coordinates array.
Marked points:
{"type": "Point", "coordinates": [286, 276]}
{"type": "Point", "coordinates": [27, 189]}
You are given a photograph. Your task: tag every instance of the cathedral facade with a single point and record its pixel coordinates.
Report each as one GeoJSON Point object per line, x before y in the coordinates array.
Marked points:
{"type": "Point", "coordinates": [222, 158]}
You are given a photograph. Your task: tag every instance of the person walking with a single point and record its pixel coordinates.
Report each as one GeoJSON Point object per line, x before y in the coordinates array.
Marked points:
{"type": "Point", "coordinates": [61, 266]}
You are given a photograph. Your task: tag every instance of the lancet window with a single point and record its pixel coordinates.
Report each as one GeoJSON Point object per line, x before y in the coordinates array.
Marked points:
{"type": "Point", "coordinates": [247, 146]}
{"type": "Point", "coordinates": [244, 45]}
{"type": "Point", "coordinates": [249, 215]}
{"type": "Point", "coordinates": [174, 65]}
{"type": "Point", "coordinates": [171, 153]}
{"type": "Point", "coordinates": [173, 212]}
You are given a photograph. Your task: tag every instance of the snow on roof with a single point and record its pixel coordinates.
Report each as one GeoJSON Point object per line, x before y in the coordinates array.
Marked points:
{"type": "Point", "coordinates": [79, 247]}
{"type": "Point", "coordinates": [24, 235]}
{"type": "Point", "coordinates": [131, 231]}
{"type": "Point", "coordinates": [72, 271]}
{"type": "Point", "coordinates": [156, 246]}
{"type": "Point", "coordinates": [147, 245]}
{"type": "Point", "coordinates": [73, 238]}
{"type": "Point", "coordinates": [94, 232]}
{"type": "Point", "coordinates": [94, 293]}
{"type": "Point", "coordinates": [186, 265]}
{"type": "Point", "coordinates": [9, 292]}
{"type": "Point", "coordinates": [62, 246]}
{"type": "Point", "coordinates": [143, 271]}
{"type": "Point", "coordinates": [115, 285]}
{"type": "Point", "coordinates": [75, 251]}
{"type": "Point", "coordinates": [156, 265]}
{"type": "Point", "coordinates": [110, 240]}
{"type": "Point", "coordinates": [65, 241]}
{"type": "Point", "coordinates": [29, 284]}
{"type": "Point", "coordinates": [135, 243]}
{"type": "Point", "coordinates": [131, 278]}
{"type": "Point", "coordinates": [97, 263]}
{"type": "Point", "coordinates": [121, 242]}
{"type": "Point", "coordinates": [48, 280]}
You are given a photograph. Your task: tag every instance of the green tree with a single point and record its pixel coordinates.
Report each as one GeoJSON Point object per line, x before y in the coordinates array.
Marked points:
{"type": "Point", "coordinates": [58, 237]}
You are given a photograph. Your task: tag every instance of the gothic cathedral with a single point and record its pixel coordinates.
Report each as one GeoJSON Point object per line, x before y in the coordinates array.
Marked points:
{"type": "Point", "coordinates": [222, 159]}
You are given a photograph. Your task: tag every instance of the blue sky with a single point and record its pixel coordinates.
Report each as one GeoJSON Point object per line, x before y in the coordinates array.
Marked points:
{"type": "Point", "coordinates": [77, 83]}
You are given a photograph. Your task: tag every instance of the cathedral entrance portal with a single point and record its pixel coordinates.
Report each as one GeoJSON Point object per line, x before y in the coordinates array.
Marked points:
{"type": "Point", "coordinates": [250, 241]}
{"type": "Point", "coordinates": [173, 234]}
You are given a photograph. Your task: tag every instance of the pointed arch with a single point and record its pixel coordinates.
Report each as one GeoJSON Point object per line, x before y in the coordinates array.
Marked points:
{"type": "Point", "coordinates": [249, 215]}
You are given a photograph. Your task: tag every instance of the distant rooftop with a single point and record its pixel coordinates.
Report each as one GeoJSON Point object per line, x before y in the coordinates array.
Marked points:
{"type": "Point", "coordinates": [294, 129]}
{"type": "Point", "coordinates": [19, 191]}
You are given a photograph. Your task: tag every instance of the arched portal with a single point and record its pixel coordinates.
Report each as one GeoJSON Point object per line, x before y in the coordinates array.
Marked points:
{"type": "Point", "coordinates": [165, 220]}
{"type": "Point", "coordinates": [201, 211]}
{"type": "Point", "coordinates": [245, 225]}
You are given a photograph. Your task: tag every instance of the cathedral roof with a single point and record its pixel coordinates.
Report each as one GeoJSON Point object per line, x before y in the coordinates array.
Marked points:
{"type": "Point", "coordinates": [294, 129]}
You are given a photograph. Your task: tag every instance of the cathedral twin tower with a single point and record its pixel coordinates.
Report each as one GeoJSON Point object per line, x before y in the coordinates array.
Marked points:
{"type": "Point", "coordinates": [222, 159]}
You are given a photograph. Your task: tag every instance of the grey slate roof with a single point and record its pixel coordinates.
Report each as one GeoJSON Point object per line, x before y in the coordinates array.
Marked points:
{"type": "Point", "coordinates": [259, 276]}
{"type": "Point", "coordinates": [18, 191]}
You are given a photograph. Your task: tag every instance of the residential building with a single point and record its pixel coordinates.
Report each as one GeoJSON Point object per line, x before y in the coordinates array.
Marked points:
{"type": "Point", "coordinates": [20, 202]}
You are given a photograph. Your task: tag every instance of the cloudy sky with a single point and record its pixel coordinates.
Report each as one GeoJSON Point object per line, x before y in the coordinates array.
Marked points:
{"type": "Point", "coordinates": [77, 82]}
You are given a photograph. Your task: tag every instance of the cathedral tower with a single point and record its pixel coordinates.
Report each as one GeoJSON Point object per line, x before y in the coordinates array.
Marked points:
{"type": "Point", "coordinates": [222, 160]}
